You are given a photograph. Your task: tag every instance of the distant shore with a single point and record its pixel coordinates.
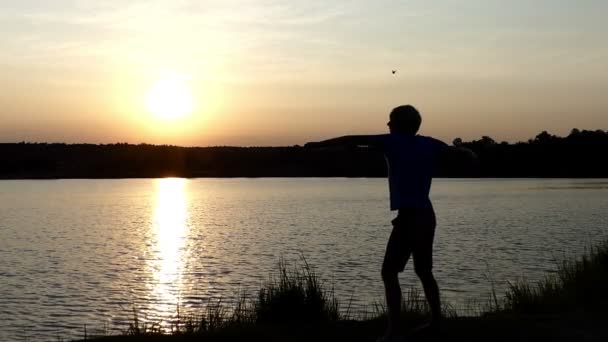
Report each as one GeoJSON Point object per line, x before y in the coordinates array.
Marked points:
{"type": "Point", "coordinates": [579, 155]}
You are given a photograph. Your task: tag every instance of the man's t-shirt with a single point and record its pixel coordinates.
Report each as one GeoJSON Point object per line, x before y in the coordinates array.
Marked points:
{"type": "Point", "coordinates": [410, 161]}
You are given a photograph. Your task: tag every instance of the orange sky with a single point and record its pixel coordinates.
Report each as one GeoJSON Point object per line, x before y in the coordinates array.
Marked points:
{"type": "Point", "coordinates": [287, 72]}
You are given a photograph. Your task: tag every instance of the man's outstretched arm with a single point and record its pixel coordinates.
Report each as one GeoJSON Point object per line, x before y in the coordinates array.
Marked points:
{"type": "Point", "coordinates": [347, 140]}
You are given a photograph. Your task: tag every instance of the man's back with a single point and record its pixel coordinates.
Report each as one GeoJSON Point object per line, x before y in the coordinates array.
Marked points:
{"type": "Point", "coordinates": [410, 160]}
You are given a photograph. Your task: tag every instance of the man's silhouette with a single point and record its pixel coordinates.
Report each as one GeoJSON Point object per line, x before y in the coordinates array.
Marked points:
{"type": "Point", "coordinates": [411, 159]}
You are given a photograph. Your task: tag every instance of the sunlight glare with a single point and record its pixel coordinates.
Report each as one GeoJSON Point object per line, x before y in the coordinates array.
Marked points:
{"type": "Point", "coordinates": [170, 228]}
{"type": "Point", "coordinates": [170, 98]}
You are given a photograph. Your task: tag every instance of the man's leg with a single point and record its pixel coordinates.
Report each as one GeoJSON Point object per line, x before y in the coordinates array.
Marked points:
{"type": "Point", "coordinates": [431, 291]}
{"type": "Point", "coordinates": [423, 264]}
{"type": "Point", "coordinates": [392, 291]}
{"type": "Point", "coordinates": [398, 251]}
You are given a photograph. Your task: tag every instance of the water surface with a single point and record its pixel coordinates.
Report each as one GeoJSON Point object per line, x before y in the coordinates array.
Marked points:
{"type": "Point", "coordinates": [75, 252]}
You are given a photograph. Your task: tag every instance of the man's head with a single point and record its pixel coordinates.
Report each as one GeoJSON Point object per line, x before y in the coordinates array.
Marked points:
{"type": "Point", "coordinates": [404, 119]}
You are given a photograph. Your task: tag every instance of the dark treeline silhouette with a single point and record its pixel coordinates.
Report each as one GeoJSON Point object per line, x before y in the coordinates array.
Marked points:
{"type": "Point", "coordinates": [580, 154]}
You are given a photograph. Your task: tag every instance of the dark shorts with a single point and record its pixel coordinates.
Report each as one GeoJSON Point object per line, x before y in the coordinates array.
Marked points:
{"type": "Point", "coordinates": [413, 233]}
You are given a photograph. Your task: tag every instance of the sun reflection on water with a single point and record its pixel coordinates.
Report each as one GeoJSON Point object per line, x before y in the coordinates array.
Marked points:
{"type": "Point", "coordinates": [170, 230]}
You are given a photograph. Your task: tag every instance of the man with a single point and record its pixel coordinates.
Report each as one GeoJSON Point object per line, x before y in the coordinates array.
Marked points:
{"type": "Point", "coordinates": [410, 159]}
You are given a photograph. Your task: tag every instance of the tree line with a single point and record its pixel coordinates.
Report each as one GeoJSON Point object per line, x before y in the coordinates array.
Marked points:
{"type": "Point", "coordinates": [580, 154]}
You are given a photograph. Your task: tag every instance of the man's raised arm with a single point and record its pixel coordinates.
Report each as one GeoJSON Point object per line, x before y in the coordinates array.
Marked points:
{"type": "Point", "coordinates": [347, 140]}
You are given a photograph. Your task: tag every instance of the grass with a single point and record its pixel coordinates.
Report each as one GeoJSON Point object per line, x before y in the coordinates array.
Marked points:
{"type": "Point", "coordinates": [294, 305]}
{"type": "Point", "coordinates": [577, 286]}
{"type": "Point", "coordinates": [297, 296]}
{"type": "Point", "coordinates": [294, 296]}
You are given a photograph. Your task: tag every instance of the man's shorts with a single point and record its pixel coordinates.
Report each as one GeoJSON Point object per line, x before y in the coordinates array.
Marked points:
{"type": "Point", "coordinates": [413, 233]}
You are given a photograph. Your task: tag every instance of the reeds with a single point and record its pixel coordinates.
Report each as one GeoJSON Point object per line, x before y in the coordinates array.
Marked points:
{"type": "Point", "coordinates": [577, 286]}
{"type": "Point", "coordinates": [293, 295]}
{"type": "Point", "coordinates": [296, 296]}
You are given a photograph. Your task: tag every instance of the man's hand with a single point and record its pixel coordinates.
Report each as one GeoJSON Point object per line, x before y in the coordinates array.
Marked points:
{"type": "Point", "coordinates": [464, 152]}
{"type": "Point", "coordinates": [460, 160]}
{"type": "Point", "coordinates": [461, 150]}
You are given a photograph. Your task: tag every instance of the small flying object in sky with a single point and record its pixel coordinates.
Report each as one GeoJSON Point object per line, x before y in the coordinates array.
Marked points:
{"type": "Point", "coordinates": [394, 71]}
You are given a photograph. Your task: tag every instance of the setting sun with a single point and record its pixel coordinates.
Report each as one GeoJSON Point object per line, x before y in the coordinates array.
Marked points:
{"type": "Point", "coordinates": [169, 98]}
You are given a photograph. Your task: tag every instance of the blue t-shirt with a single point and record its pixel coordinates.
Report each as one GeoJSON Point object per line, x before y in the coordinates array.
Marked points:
{"type": "Point", "coordinates": [410, 160]}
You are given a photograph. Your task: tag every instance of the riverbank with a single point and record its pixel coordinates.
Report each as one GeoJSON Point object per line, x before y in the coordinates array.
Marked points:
{"type": "Point", "coordinates": [567, 305]}
{"type": "Point", "coordinates": [521, 328]}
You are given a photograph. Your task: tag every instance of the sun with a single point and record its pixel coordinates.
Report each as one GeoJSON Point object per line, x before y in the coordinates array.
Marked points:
{"type": "Point", "coordinates": [170, 98]}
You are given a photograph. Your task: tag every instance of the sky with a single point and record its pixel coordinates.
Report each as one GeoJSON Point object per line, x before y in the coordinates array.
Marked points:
{"type": "Point", "coordinates": [286, 72]}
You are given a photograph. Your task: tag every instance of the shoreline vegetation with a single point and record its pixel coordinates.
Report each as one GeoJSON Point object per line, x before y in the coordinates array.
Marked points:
{"type": "Point", "coordinates": [295, 305]}
{"type": "Point", "coordinates": [578, 155]}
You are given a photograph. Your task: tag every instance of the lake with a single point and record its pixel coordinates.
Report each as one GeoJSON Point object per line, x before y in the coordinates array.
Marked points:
{"type": "Point", "coordinates": [76, 252]}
